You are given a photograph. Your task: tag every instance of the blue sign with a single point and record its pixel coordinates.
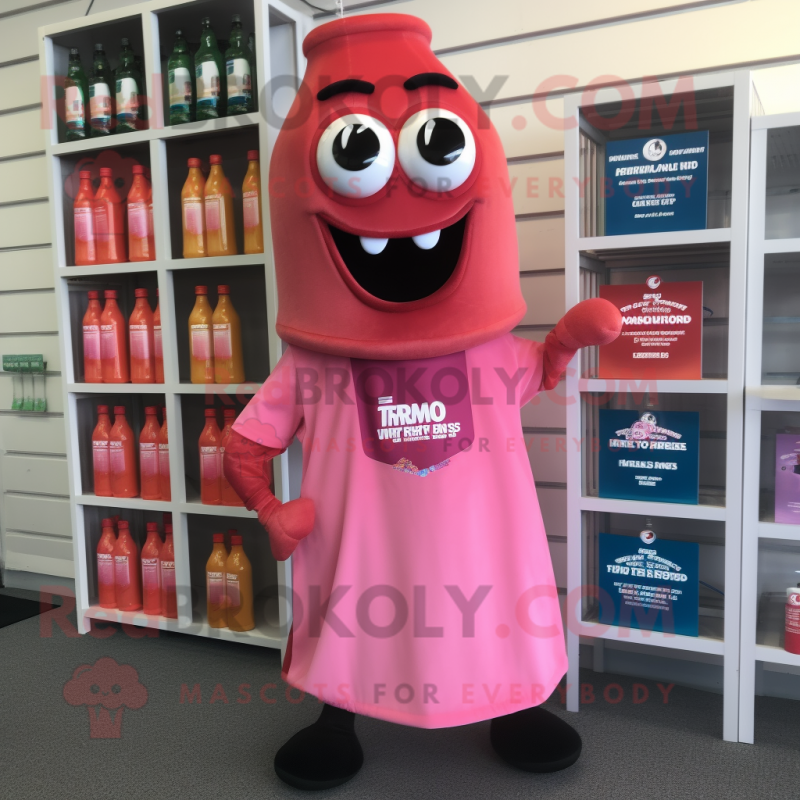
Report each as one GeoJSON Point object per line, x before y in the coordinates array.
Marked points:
{"type": "Point", "coordinates": [657, 184]}
{"type": "Point", "coordinates": [651, 585]}
{"type": "Point", "coordinates": [650, 456]}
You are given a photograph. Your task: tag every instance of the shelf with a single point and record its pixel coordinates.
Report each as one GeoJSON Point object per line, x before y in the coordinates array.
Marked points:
{"type": "Point", "coordinates": [116, 388]}
{"type": "Point", "coordinates": [218, 389]}
{"type": "Point", "coordinates": [694, 644]}
{"type": "Point", "coordinates": [650, 240]}
{"type": "Point", "coordinates": [132, 503]}
{"type": "Point", "coordinates": [215, 511]}
{"type": "Point", "coordinates": [773, 398]}
{"type": "Point", "coordinates": [776, 655]}
{"type": "Point", "coordinates": [102, 143]}
{"type": "Point", "coordinates": [781, 245]}
{"type": "Point", "coordinates": [217, 262]}
{"type": "Point", "coordinates": [647, 508]}
{"type": "Point", "coordinates": [109, 269]}
{"type": "Point", "coordinates": [617, 385]}
{"type": "Point", "coordinates": [778, 530]}
{"type": "Point", "coordinates": [221, 262]}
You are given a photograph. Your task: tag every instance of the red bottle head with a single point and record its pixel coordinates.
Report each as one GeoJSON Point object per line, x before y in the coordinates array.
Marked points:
{"type": "Point", "coordinates": [152, 526]}
{"type": "Point", "coordinates": [252, 155]}
{"type": "Point", "coordinates": [219, 538]}
{"type": "Point", "coordinates": [214, 160]}
{"type": "Point", "coordinates": [102, 409]}
{"type": "Point", "coordinates": [119, 411]}
{"type": "Point", "coordinates": [235, 539]}
{"type": "Point", "coordinates": [223, 289]}
{"type": "Point", "coordinates": [110, 294]}
{"type": "Point", "coordinates": [194, 163]}
{"type": "Point", "coordinates": [141, 293]}
{"type": "Point", "coordinates": [201, 289]}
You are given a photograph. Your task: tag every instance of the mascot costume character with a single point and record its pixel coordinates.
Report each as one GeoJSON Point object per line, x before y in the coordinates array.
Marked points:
{"type": "Point", "coordinates": [425, 592]}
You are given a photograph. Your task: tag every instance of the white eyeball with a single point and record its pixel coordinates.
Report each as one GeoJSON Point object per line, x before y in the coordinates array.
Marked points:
{"type": "Point", "coordinates": [355, 155]}
{"type": "Point", "coordinates": [436, 149]}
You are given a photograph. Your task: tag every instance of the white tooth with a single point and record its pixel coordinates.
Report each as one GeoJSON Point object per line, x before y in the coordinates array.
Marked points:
{"type": "Point", "coordinates": [427, 241]}
{"type": "Point", "coordinates": [373, 246]}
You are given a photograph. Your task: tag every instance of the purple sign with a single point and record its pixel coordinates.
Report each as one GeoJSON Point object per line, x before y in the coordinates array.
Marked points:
{"type": "Point", "coordinates": [787, 478]}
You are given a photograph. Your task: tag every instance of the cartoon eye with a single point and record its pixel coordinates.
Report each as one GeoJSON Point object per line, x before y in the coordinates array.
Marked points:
{"type": "Point", "coordinates": [355, 155]}
{"type": "Point", "coordinates": [436, 149]}
{"type": "Point", "coordinates": [94, 689]}
{"type": "Point", "coordinates": [116, 688]}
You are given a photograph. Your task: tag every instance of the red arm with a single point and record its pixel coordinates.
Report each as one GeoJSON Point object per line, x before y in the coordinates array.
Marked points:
{"type": "Point", "coordinates": [248, 468]}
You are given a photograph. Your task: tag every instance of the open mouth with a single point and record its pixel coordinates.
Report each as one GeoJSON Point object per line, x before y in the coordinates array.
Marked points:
{"type": "Point", "coordinates": [403, 269]}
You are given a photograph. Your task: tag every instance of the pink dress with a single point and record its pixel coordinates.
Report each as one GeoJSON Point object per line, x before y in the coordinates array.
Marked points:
{"type": "Point", "coordinates": [425, 593]}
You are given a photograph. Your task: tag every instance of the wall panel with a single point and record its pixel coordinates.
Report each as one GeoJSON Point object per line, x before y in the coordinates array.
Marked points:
{"type": "Point", "coordinates": [36, 474]}
{"type": "Point", "coordinates": [26, 269]}
{"type": "Point", "coordinates": [28, 433]}
{"type": "Point", "coordinates": [541, 243]}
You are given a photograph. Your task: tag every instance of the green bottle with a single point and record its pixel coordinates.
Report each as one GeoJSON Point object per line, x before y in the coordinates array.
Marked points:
{"type": "Point", "coordinates": [181, 82]}
{"type": "Point", "coordinates": [239, 71]}
{"type": "Point", "coordinates": [128, 83]}
{"type": "Point", "coordinates": [101, 105]}
{"type": "Point", "coordinates": [251, 43]}
{"type": "Point", "coordinates": [209, 70]}
{"type": "Point", "coordinates": [76, 93]}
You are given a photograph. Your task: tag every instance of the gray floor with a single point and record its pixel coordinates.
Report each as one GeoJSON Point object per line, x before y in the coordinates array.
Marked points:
{"type": "Point", "coordinates": [172, 750]}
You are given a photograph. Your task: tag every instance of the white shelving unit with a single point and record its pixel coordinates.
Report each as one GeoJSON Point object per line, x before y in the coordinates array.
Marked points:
{"type": "Point", "coordinates": [279, 32]}
{"type": "Point", "coordinates": [724, 105]}
{"type": "Point", "coordinates": [770, 550]}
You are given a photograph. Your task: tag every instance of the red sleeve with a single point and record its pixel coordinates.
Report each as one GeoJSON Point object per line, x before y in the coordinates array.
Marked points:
{"type": "Point", "coordinates": [248, 468]}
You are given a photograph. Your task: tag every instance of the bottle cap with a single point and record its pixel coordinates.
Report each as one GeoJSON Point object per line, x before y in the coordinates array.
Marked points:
{"type": "Point", "coordinates": [211, 412]}
{"type": "Point", "coordinates": [206, 22]}
{"type": "Point", "coordinates": [179, 32]}
{"type": "Point", "coordinates": [98, 48]}
{"type": "Point", "coordinates": [85, 174]}
{"type": "Point", "coordinates": [152, 526]}
{"type": "Point", "coordinates": [122, 524]}
{"type": "Point", "coordinates": [201, 289]}
{"type": "Point", "coordinates": [93, 295]}
{"type": "Point", "coordinates": [138, 169]}
{"type": "Point", "coordinates": [219, 537]}
{"type": "Point", "coordinates": [167, 528]}
{"type": "Point", "coordinates": [194, 162]}
{"type": "Point", "coordinates": [252, 155]}
{"type": "Point", "coordinates": [215, 159]}
{"type": "Point", "coordinates": [102, 409]}
{"type": "Point", "coordinates": [141, 293]}
{"type": "Point", "coordinates": [110, 294]}
{"type": "Point", "coordinates": [167, 517]}
{"type": "Point", "coordinates": [151, 409]}
{"type": "Point", "coordinates": [236, 539]}
{"type": "Point", "coordinates": [73, 51]}
{"type": "Point", "coordinates": [106, 172]}
{"type": "Point", "coordinates": [231, 531]}
{"type": "Point", "coordinates": [223, 289]}
{"type": "Point", "coordinates": [229, 413]}
{"type": "Point", "coordinates": [107, 522]}
{"type": "Point", "coordinates": [119, 410]}
{"type": "Point", "coordinates": [124, 41]}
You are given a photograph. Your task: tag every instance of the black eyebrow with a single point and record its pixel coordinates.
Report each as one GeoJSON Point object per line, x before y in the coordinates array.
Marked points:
{"type": "Point", "coordinates": [430, 79]}
{"type": "Point", "coordinates": [347, 85]}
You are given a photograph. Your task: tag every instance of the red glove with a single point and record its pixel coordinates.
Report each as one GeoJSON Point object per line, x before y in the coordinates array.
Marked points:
{"type": "Point", "coordinates": [591, 322]}
{"type": "Point", "coordinates": [248, 468]}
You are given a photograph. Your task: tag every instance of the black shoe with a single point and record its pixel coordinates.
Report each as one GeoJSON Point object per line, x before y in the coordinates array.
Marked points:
{"type": "Point", "coordinates": [323, 755]}
{"type": "Point", "coordinates": [535, 740]}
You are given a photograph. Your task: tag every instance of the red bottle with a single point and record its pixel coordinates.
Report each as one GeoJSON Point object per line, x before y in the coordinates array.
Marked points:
{"type": "Point", "coordinates": [105, 566]}
{"type": "Point", "coordinates": [92, 365]}
{"type": "Point", "coordinates": [109, 221]}
{"type": "Point", "coordinates": [791, 642]}
{"type": "Point", "coordinates": [227, 494]}
{"type": "Point", "coordinates": [122, 457]}
{"type": "Point", "coordinates": [169, 598]}
{"type": "Point", "coordinates": [141, 244]}
{"type": "Point", "coordinates": [140, 326]}
{"type": "Point", "coordinates": [158, 349]}
{"type": "Point", "coordinates": [127, 570]}
{"type": "Point", "coordinates": [150, 480]}
{"type": "Point", "coordinates": [83, 218]}
{"type": "Point", "coordinates": [163, 459]}
{"type": "Point", "coordinates": [113, 341]}
{"type": "Point", "coordinates": [151, 571]}
{"type": "Point", "coordinates": [210, 463]}
{"type": "Point", "coordinates": [101, 463]}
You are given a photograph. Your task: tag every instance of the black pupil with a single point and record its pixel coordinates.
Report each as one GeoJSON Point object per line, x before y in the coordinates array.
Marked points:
{"type": "Point", "coordinates": [356, 147]}
{"type": "Point", "coordinates": [440, 141]}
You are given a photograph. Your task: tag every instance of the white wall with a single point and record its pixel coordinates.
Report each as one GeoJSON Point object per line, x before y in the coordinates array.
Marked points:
{"type": "Point", "coordinates": [518, 44]}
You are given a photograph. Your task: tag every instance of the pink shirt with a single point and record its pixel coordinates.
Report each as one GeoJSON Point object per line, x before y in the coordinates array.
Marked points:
{"type": "Point", "coordinates": [428, 544]}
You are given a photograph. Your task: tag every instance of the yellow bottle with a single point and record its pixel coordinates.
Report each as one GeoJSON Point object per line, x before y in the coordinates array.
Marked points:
{"type": "Point", "coordinates": [220, 229]}
{"type": "Point", "coordinates": [228, 361]}
{"type": "Point", "coordinates": [239, 588]}
{"type": "Point", "coordinates": [215, 583]}
{"type": "Point", "coordinates": [193, 213]}
{"type": "Point", "coordinates": [201, 343]}
{"type": "Point", "coordinates": [251, 206]}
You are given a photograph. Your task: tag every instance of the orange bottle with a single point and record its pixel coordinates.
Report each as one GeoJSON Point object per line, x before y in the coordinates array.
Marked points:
{"type": "Point", "coordinates": [149, 455]}
{"type": "Point", "coordinates": [92, 365]}
{"type": "Point", "coordinates": [201, 345]}
{"type": "Point", "coordinates": [251, 206]}
{"type": "Point", "coordinates": [215, 583]}
{"type": "Point", "coordinates": [239, 588]}
{"type": "Point", "coordinates": [127, 570]}
{"type": "Point", "coordinates": [122, 452]}
{"type": "Point", "coordinates": [109, 221]}
{"type": "Point", "coordinates": [141, 331]}
{"type": "Point", "coordinates": [151, 571]}
{"type": "Point", "coordinates": [158, 349]}
{"type": "Point", "coordinates": [210, 462]}
{"type": "Point", "coordinates": [141, 241]}
{"type": "Point", "coordinates": [220, 227]}
{"type": "Point", "coordinates": [228, 359]}
{"type": "Point", "coordinates": [227, 494]}
{"type": "Point", "coordinates": [83, 218]}
{"type": "Point", "coordinates": [113, 341]}
{"type": "Point", "coordinates": [192, 211]}
{"type": "Point", "coordinates": [106, 591]}
{"type": "Point", "coordinates": [101, 465]}
{"type": "Point", "coordinates": [163, 459]}
{"type": "Point", "coordinates": [169, 597]}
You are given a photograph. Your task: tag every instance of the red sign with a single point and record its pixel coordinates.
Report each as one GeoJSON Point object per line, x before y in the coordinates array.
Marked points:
{"type": "Point", "coordinates": [662, 331]}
